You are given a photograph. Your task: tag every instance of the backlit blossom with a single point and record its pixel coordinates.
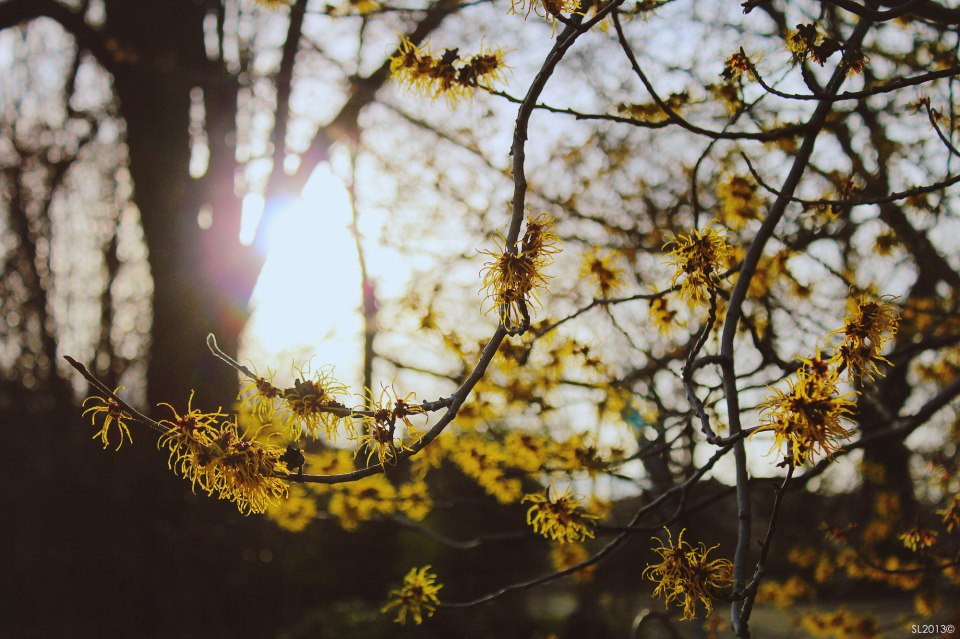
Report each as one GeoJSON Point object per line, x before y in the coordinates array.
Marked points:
{"type": "Point", "coordinates": [686, 573]}
{"type": "Point", "coordinates": [448, 75]}
{"type": "Point", "coordinates": [866, 332]}
{"type": "Point", "coordinates": [918, 538]}
{"type": "Point", "coordinates": [699, 259]}
{"type": "Point", "coordinates": [416, 597]}
{"type": "Point", "coordinates": [313, 403]}
{"type": "Point", "coordinates": [113, 415]}
{"type": "Point", "coordinates": [559, 517]}
{"type": "Point", "coordinates": [379, 431]}
{"type": "Point", "coordinates": [513, 279]}
{"type": "Point", "coordinates": [807, 418]}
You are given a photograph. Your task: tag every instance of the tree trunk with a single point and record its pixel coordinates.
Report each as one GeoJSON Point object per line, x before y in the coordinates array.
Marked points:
{"type": "Point", "coordinates": [202, 278]}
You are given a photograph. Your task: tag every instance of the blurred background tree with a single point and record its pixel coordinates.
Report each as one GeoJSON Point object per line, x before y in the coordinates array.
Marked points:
{"type": "Point", "coordinates": [138, 140]}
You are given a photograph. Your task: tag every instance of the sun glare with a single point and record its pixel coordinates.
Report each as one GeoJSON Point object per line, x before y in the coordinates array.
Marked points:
{"type": "Point", "coordinates": [306, 303]}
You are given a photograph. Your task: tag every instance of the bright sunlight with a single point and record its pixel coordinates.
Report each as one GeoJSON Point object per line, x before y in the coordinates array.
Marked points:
{"type": "Point", "coordinates": [306, 303]}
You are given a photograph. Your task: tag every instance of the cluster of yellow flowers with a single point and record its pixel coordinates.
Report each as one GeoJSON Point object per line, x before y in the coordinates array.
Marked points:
{"type": "Point", "coordinates": [686, 573]}
{"type": "Point", "coordinates": [513, 279]}
{"type": "Point", "coordinates": [208, 451]}
{"type": "Point", "coordinates": [546, 9]}
{"type": "Point", "coordinates": [216, 454]}
{"type": "Point", "coordinates": [416, 597]}
{"type": "Point", "coordinates": [808, 416]}
{"type": "Point", "coordinates": [314, 404]}
{"type": "Point", "coordinates": [700, 259]}
{"type": "Point", "coordinates": [839, 624]}
{"type": "Point", "coordinates": [448, 75]}
{"type": "Point", "coordinates": [866, 332]}
{"type": "Point", "coordinates": [559, 516]}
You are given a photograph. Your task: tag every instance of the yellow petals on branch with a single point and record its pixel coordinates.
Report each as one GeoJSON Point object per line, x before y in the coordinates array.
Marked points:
{"type": "Point", "coordinates": [549, 10]}
{"type": "Point", "coordinates": [416, 597]}
{"type": "Point", "coordinates": [379, 427]}
{"type": "Point", "coordinates": [559, 517]}
{"type": "Point", "coordinates": [313, 402]}
{"type": "Point", "coordinates": [513, 279]}
{"type": "Point", "coordinates": [866, 332]}
{"type": "Point", "coordinates": [918, 539]}
{"type": "Point", "coordinates": [448, 75]}
{"type": "Point", "coordinates": [807, 418]}
{"type": "Point", "coordinates": [221, 461]}
{"type": "Point", "coordinates": [113, 415]}
{"type": "Point", "coordinates": [687, 575]}
{"type": "Point", "coordinates": [699, 259]}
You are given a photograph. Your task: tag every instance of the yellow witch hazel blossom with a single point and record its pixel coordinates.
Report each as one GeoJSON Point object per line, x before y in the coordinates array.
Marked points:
{"type": "Point", "coordinates": [113, 414]}
{"type": "Point", "coordinates": [739, 201]}
{"type": "Point", "coordinates": [448, 75]}
{"type": "Point", "coordinates": [866, 332]}
{"type": "Point", "coordinates": [599, 269]}
{"type": "Point", "coordinates": [416, 597]}
{"type": "Point", "coordinates": [221, 461]}
{"type": "Point", "coordinates": [686, 573]}
{"type": "Point", "coordinates": [379, 428]}
{"type": "Point", "coordinates": [559, 517]}
{"type": "Point", "coordinates": [699, 259]}
{"type": "Point", "coordinates": [313, 402]}
{"type": "Point", "coordinates": [513, 279]}
{"type": "Point", "coordinates": [808, 417]}
{"type": "Point", "coordinates": [546, 9]}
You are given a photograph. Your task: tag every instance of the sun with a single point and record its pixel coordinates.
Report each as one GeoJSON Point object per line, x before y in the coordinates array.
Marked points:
{"type": "Point", "coordinates": [306, 303]}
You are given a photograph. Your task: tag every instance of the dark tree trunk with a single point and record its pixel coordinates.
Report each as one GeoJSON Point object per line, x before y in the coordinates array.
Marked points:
{"type": "Point", "coordinates": [202, 278]}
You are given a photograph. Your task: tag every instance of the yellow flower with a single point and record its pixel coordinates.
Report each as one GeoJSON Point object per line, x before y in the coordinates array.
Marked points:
{"type": "Point", "coordinates": [189, 438]}
{"type": "Point", "coordinates": [296, 511]}
{"type": "Point", "coordinates": [356, 502]}
{"type": "Point", "coordinates": [414, 500]}
{"type": "Point", "coordinates": [599, 269]}
{"type": "Point", "coordinates": [448, 75]}
{"type": "Point", "coordinates": [564, 556]}
{"type": "Point", "coordinates": [662, 316]}
{"type": "Point", "coordinates": [483, 460]}
{"type": "Point", "coordinates": [951, 513]}
{"type": "Point", "coordinates": [918, 538]}
{"type": "Point", "coordinates": [558, 517]}
{"type": "Point", "coordinates": [313, 402]}
{"type": "Point", "coordinates": [839, 624]}
{"type": "Point", "coordinates": [808, 417]}
{"type": "Point", "coordinates": [379, 428]}
{"type": "Point", "coordinates": [784, 594]}
{"type": "Point", "coordinates": [866, 332]}
{"type": "Point", "coordinates": [261, 396]}
{"type": "Point", "coordinates": [247, 472]}
{"type": "Point", "coordinates": [699, 259]}
{"type": "Point", "coordinates": [113, 414]}
{"type": "Point", "coordinates": [513, 279]}
{"type": "Point", "coordinates": [416, 597]}
{"type": "Point", "coordinates": [739, 201]}
{"type": "Point", "coordinates": [527, 451]}
{"type": "Point", "coordinates": [685, 572]}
